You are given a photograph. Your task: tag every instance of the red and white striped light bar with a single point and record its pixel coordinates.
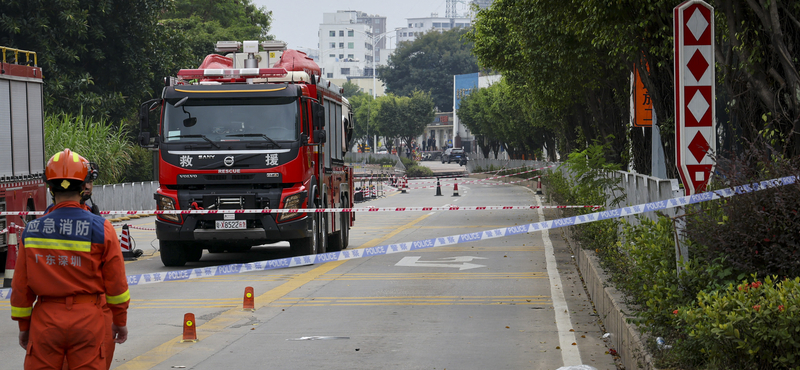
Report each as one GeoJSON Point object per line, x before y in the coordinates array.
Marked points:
{"type": "Point", "coordinates": [191, 74]}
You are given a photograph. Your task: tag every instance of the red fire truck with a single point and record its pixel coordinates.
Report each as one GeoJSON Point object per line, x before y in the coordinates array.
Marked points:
{"type": "Point", "coordinates": [21, 142]}
{"type": "Point", "coordinates": [254, 129]}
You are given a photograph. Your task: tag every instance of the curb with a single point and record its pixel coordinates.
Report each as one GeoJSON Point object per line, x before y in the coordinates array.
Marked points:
{"type": "Point", "coordinates": [608, 301]}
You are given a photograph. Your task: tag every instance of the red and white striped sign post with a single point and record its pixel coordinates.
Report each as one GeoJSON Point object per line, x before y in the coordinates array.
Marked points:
{"type": "Point", "coordinates": [695, 114]}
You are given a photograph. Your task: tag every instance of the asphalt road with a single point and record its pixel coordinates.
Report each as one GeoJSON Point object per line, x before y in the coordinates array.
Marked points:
{"type": "Point", "coordinates": [509, 303]}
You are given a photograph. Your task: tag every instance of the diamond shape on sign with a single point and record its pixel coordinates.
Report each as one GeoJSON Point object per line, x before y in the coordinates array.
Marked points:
{"type": "Point", "coordinates": [697, 24]}
{"type": "Point", "coordinates": [698, 65]}
{"type": "Point", "coordinates": [698, 106]}
{"type": "Point", "coordinates": [699, 146]}
{"type": "Point", "coordinates": [699, 176]}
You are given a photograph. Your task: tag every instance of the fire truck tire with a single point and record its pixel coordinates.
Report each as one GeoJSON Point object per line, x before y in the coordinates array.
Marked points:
{"type": "Point", "coordinates": [345, 233]}
{"type": "Point", "coordinates": [305, 246]}
{"type": "Point", "coordinates": [216, 249]}
{"type": "Point", "coordinates": [323, 233]}
{"type": "Point", "coordinates": [338, 239]}
{"type": "Point", "coordinates": [239, 248]}
{"type": "Point", "coordinates": [173, 254]}
{"type": "Point", "coordinates": [193, 253]}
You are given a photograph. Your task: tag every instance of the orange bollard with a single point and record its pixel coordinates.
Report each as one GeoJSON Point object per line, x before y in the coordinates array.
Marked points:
{"type": "Point", "coordinates": [189, 328]}
{"type": "Point", "coordinates": [249, 299]}
{"type": "Point", "coordinates": [539, 186]}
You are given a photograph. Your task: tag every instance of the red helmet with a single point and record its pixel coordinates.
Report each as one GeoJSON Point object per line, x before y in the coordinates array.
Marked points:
{"type": "Point", "coordinates": [66, 171]}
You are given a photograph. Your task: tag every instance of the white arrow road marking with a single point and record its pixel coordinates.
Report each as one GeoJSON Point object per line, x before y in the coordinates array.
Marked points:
{"type": "Point", "coordinates": [461, 262]}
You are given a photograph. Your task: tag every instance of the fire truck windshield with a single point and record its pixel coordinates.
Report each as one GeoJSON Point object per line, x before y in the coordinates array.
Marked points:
{"type": "Point", "coordinates": [231, 120]}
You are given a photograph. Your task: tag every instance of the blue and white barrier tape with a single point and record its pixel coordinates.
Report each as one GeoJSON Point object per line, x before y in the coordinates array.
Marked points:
{"type": "Point", "coordinates": [239, 268]}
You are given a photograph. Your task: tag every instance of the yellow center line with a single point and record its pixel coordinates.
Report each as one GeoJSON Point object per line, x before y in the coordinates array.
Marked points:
{"type": "Point", "coordinates": [172, 347]}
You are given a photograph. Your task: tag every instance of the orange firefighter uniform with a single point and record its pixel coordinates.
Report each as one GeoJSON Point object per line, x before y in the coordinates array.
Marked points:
{"type": "Point", "coordinates": [110, 346]}
{"type": "Point", "coordinates": [68, 260]}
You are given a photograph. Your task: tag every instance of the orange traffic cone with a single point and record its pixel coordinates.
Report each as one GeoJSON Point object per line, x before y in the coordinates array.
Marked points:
{"type": "Point", "coordinates": [249, 300]}
{"type": "Point", "coordinates": [11, 258]}
{"type": "Point", "coordinates": [189, 328]}
{"type": "Point", "coordinates": [455, 190]}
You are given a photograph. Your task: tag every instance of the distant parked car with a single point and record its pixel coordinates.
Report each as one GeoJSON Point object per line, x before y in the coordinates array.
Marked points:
{"type": "Point", "coordinates": [455, 155]}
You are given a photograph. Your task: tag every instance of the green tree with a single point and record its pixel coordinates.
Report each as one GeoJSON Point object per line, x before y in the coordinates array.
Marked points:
{"type": "Point", "coordinates": [428, 64]}
{"type": "Point", "coordinates": [500, 116]}
{"type": "Point", "coordinates": [204, 22]}
{"type": "Point", "coordinates": [365, 109]}
{"type": "Point", "coordinates": [419, 113]}
{"type": "Point", "coordinates": [389, 118]}
{"type": "Point", "coordinates": [554, 69]}
{"type": "Point", "coordinates": [101, 57]}
{"type": "Point", "coordinates": [404, 117]}
{"type": "Point", "coordinates": [350, 89]}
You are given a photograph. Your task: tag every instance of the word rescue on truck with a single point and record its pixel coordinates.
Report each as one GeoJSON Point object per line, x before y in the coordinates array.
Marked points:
{"type": "Point", "coordinates": [254, 129]}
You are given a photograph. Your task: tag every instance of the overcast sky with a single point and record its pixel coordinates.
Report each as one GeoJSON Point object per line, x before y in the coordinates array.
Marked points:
{"type": "Point", "coordinates": [297, 22]}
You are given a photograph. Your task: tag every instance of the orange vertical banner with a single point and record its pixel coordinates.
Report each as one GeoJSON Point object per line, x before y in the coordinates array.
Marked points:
{"type": "Point", "coordinates": [642, 104]}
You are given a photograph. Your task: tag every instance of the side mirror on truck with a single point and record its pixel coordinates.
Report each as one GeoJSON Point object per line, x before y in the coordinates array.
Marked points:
{"type": "Point", "coordinates": [320, 136]}
{"type": "Point", "coordinates": [318, 115]}
{"type": "Point", "coordinates": [144, 122]}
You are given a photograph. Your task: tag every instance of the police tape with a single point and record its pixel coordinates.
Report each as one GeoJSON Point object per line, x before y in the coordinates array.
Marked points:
{"type": "Point", "coordinates": [316, 210]}
{"type": "Point", "coordinates": [238, 268]}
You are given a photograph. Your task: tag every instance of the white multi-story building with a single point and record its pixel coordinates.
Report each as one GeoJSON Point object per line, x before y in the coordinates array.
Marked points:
{"type": "Point", "coordinates": [418, 26]}
{"type": "Point", "coordinates": [348, 42]}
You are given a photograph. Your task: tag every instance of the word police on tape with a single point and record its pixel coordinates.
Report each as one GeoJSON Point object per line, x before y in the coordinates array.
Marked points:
{"type": "Point", "coordinates": [231, 269]}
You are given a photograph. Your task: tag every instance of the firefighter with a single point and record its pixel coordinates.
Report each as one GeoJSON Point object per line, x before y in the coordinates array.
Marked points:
{"type": "Point", "coordinates": [86, 198]}
{"type": "Point", "coordinates": [69, 261]}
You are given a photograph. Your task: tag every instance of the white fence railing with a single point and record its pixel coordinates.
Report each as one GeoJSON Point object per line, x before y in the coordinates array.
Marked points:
{"type": "Point", "coordinates": [135, 196]}
{"type": "Point", "coordinates": [639, 189]}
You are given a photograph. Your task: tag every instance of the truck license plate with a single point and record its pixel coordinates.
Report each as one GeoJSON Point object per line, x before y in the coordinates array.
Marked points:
{"type": "Point", "coordinates": [231, 225]}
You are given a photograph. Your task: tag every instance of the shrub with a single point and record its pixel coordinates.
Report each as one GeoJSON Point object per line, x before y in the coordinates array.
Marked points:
{"type": "Point", "coordinates": [96, 140]}
{"type": "Point", "coordinates": [757, 230]}
{"type": "Point", "coordinates": [418, 171]}
{"type": "Point", "coordinates": [754, 325]}
{"type": "Point", "coordinates": [408, 162]}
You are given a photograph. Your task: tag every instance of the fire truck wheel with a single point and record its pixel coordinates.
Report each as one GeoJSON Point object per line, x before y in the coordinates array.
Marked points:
{"type": "Point", "coordinates": [323, 233]}
{"type": "Point", "coordinates": [345, 230]}
{"type": "Point", "coordinates": [305, 246]}
{"type": "Point", "coordinates": [193, 253]}
{"type": "Point", "coordinates": [239, 248]}
{"type": "Point", "coordinates": [338, 240]}
{"type": "Point", "coordinates": [172, 253]}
